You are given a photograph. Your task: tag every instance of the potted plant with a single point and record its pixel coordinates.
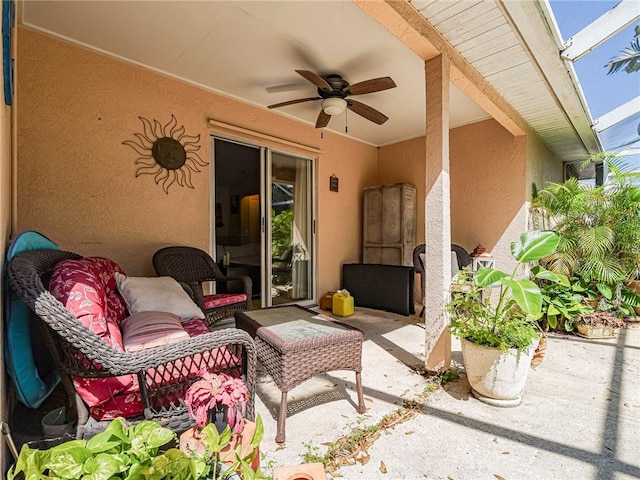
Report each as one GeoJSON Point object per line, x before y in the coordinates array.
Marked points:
{"type": "Point", "coordinates": [217, 403]}
{"type": "Point", "coordinates": [499, 337]}
{"type": "Point", "coordinates": [599, 324]}
{"type": "Point", "coordinates": [140, 451]}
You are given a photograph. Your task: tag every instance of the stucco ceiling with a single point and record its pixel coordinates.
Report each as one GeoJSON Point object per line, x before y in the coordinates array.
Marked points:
{"type": "Point", "coordinates": [250, 51]}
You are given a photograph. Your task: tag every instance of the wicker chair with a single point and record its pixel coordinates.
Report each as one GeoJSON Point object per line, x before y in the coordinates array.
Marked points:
{"type": "Point", "coordinates": [193, 267]}
{"type": "Point", "coordinates": [78, 352]}
{"type": "Point", "coordinates": [463, 258]}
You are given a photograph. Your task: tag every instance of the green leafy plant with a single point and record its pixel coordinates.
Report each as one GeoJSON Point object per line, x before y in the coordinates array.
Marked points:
{"type": "Point", "coordinates": [135, 453]}
{"type": "Point", "coordinates": [214, 442]}
{"type": "Point", "coordinates": [617, 299]}
{"type": "Point", "coordinates": [511, 321]}
{"type": "Point", "coordinates": [281, 232]}
{"type": "Point", "coordinates": [562, 302]}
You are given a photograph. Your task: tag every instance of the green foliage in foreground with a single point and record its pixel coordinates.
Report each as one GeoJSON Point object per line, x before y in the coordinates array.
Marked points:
{"type": "Point", "coordinates": [133, 453]}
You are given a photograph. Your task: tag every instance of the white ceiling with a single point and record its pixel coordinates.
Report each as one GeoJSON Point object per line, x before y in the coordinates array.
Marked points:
{"type": "Point", "coordinates": [249, 50]}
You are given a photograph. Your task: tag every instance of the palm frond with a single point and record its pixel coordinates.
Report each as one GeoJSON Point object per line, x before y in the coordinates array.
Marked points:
{"type": "Point", "coordinates": [628, 59]}
{"type": "Point", "coordinates": [596, 241]}
{"type": "Point", "coordinates": [601, 269]}
{"type": "Point", "coordinates": [564, 263]}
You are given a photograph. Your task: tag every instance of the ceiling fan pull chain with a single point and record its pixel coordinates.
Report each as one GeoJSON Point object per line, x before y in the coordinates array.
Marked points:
{"type": "Point", "coordinates": [346, 122]}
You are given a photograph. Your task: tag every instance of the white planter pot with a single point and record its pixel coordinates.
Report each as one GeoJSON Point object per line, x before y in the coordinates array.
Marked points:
{"type": "Point", "coordinates": [497, 377]}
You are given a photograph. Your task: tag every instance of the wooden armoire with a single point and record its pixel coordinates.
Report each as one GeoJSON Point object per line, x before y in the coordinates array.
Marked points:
{"type": "Point", "coordinates": [389, 224]}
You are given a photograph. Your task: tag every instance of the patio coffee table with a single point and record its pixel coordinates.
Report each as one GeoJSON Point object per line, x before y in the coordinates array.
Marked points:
{"type": "Point", "coordinates": [295, 344]}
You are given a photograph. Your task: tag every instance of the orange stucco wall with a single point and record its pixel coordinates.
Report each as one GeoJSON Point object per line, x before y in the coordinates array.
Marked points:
{"type": "Point", "coordinates": [488, 183]}
{"type": "Point", "coordinates": [480, 154]}
{"type": "Point", "coordinates": [404, 162]}
{"type": "Point", "coordinates": [77, 180]}
{"type": "Point", "coordinates": [488, 193]}
{"type": "Point", "coordinates": [543, 165]}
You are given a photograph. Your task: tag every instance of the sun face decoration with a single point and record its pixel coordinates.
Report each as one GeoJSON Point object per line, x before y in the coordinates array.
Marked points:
{"type": "Point", "coordinates": [167, 153]}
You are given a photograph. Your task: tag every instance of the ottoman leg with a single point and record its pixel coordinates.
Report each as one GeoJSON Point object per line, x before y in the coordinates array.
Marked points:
{"type": "Point", "coordinates": [282, 418]}
{"type": "Point", "coordinates": [361, 408]}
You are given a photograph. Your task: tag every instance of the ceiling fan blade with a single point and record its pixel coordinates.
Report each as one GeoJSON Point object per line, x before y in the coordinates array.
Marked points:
{"type": "Point", "coordinates": [367, 112]}
{"type": "Point", "coordinates": [323, 119]}
{"type": "Point", "coordinates": [292, 102]}
{"type": "Point", "coordinates": [370, 86]}
{"type": "Point", "coordinates": [317, 80]}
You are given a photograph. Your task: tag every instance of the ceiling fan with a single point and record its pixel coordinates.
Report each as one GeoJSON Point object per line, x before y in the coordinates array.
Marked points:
{"type": "Point", "coordinates": [333, 90]}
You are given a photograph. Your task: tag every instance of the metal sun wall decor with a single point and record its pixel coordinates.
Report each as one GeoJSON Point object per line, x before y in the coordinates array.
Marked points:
{"type": "Point", "coordinates": [166, 152]}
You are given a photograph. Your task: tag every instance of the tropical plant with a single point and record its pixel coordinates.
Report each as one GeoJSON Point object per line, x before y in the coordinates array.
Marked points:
{"type": "Point", "coordinates": [562, 302]}
{"type": "Point", "coordinates": [599, 228]}
{"type": "Point", "coordinates": [281, 226]}
{"type": "Point", "coordinates": [629, 58]}
{"type": "Point", "coordinates": [134, 452]}
{"type": "Point", "coordinates": [617, 299]}
{"type": "Point", "coordinates": [511, 322]}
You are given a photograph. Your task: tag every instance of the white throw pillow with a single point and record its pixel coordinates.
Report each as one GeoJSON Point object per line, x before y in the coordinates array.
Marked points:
{"type": "Point", "coordinates": [157, 294]}
{"type": "Point", "coordinates": [144, 330]}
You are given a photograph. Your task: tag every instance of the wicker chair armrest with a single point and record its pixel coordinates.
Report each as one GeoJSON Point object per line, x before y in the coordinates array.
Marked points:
{"type": "Point", "coordinates": [247, 284]}
{"type": "Point", "coordinates": [189, 289]}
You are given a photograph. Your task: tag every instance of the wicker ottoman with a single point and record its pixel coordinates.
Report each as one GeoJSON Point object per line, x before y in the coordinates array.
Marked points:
{"type": "Point", "coordinates": [295, 344]}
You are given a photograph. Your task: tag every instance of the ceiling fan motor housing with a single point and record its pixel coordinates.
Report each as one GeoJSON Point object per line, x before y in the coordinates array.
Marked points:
{"type": "Point", "coordinates": [338, 84]}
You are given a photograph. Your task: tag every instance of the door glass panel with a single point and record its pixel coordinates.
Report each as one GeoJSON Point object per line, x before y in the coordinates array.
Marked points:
{"type": "Point", "coordinates": [263, 219]}
{"type": "Point", "coordinates": [291, 234]}
{"type": "Point", "coordinates": [237, 215]}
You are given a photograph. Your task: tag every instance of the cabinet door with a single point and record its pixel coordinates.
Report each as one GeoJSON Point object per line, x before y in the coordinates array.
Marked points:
{"type": "Point", "coordinates": [372, 216]}
{"type": "Point", "coordinates": [392, 214]}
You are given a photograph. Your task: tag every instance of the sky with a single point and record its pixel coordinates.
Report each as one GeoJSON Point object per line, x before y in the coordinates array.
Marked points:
{"type": "Point", "coordinates": [602, 92]}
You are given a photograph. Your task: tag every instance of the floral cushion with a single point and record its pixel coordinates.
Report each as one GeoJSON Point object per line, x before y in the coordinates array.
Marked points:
{"type": "Point", "coordinates": [87, 288]}
{"type": "Point", "coordinates": [223, 299]}
{"type": "Point", "coordinates": [127, 405]}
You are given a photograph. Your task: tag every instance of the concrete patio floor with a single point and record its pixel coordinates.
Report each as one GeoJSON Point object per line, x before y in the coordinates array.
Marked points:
{"type": "Point", "coordinates": [579, 418]}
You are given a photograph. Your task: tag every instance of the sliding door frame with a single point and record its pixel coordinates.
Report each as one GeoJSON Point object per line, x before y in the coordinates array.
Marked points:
{"type": "Point", "coordinates": [265, 213]}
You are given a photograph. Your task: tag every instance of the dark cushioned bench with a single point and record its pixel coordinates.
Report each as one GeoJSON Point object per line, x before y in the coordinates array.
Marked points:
{"type": "Point", "coordinates": [383, 287]}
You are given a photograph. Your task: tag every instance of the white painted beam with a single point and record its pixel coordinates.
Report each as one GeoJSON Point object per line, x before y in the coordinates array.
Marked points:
{"type": "Point", "coordinates": [617, 115]}
{"type": "Point", "coordinates": [601, 29]}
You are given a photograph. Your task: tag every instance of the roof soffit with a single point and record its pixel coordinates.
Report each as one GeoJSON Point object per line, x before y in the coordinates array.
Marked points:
{"type": "Point", "coordinates": [512, 47]}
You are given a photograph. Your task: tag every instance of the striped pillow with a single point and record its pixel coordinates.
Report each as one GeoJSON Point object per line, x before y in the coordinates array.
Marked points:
{"type": "Point", "coordinates": [145, 330]}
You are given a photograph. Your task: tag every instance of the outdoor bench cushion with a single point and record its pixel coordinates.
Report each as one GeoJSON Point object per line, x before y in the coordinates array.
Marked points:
{"type": "Point", "coordinates": [144, 330]}
{"type": "Point", "coordinates": [223, 299]}
{"type": "Point", "coordinates": [87, 288]}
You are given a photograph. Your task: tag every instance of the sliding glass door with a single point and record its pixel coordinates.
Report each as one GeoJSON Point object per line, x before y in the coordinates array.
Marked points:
{"type": "Point", "coordinates": [264, 220]}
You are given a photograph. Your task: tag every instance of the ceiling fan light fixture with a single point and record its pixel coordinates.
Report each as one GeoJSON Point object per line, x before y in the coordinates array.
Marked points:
{"type": "Point", "coordinates": [334, 105]}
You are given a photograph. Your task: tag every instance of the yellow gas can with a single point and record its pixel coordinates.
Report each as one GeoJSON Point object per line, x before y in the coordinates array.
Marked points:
{"type": "Point", "coordinates": [342, 303]}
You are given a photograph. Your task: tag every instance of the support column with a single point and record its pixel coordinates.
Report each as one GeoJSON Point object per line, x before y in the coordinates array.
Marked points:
{"type": "Point", "coordinates": [437, 216]}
